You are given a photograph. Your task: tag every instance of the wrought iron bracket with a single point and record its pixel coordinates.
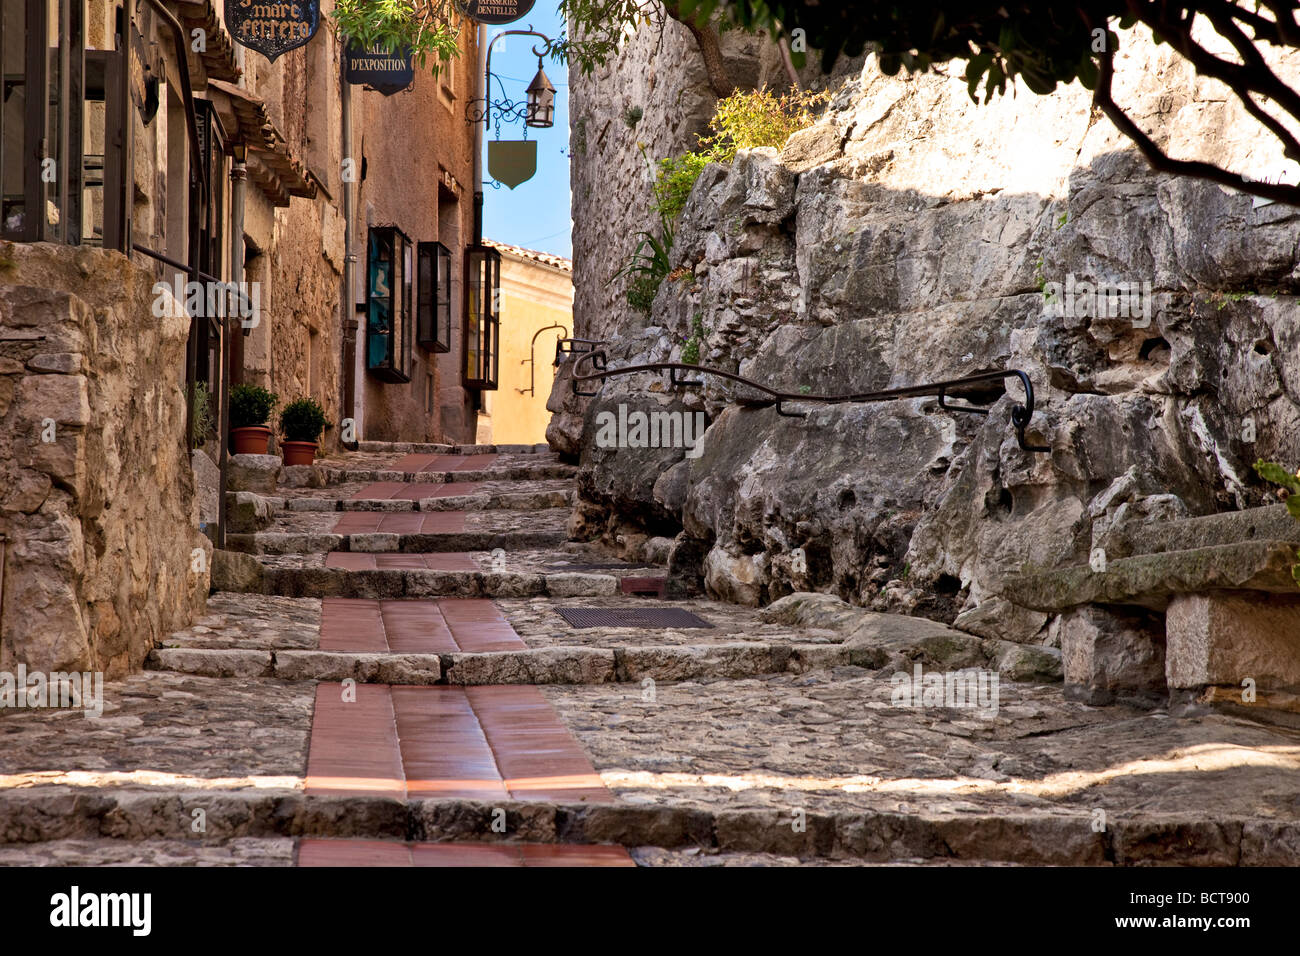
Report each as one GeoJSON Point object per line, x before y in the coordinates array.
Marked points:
{"type": "Point", "coordinates": [1021, 412]}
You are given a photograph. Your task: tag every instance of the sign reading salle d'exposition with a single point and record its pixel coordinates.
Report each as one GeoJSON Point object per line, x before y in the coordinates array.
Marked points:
{"type": "Point", "coordinates": [378, 69]}
{"type": "Point", "coordinates": [495, 11]}
{"type": "Point", "coordinates": [272, 28]}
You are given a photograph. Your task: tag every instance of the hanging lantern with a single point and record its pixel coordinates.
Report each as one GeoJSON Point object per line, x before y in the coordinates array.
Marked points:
{"type": "Point", "coordinates": [541, 100]}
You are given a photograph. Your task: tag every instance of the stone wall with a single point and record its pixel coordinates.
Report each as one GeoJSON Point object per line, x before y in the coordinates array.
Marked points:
{"type": "Point", "coordinates": [97, 498]}
{"type": "Point", "coordinates": [908, 238]}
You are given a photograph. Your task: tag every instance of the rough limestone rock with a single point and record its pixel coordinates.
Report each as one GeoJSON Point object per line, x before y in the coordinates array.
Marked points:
{"type": "Point", "coordinates": [236, 571]}
{"type": "Point", "coordinates": [1111, 652]}
{"type": "Point", "coordinates": [98, 498]}
{"type": "Point", "coordinates": [207, 483]}
{"type": "Point", "coordinates": [911, 236]}
{"type": "Point", "coordinates": [247, 513]}
{"type": "Point", "coordinates": [1000, 619]}
{"type": "Point", "coordinates": [256, 473]}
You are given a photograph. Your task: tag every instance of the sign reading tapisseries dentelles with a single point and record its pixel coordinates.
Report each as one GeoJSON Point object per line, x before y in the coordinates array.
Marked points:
{"type": "Point", "coordinates": [378, 69]}
{"type": "Point", "coordinates": [495, 11]}
{"type": "Point", "coordinates": [272, 28]}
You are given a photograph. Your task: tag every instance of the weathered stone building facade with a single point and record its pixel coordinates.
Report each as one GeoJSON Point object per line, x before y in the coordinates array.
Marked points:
{"type": "Point", "coordinates": [100, 511]}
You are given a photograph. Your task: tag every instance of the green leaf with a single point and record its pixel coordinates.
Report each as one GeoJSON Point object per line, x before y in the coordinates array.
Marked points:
{"type": "Point", "coordinates": [1278, 475]}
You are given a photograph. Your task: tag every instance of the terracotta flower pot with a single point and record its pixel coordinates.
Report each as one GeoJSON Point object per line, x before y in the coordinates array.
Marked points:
{"type": "Point", "coordinates": [298, 452]}
{"type": "Point", "coordinates": [252, 440]}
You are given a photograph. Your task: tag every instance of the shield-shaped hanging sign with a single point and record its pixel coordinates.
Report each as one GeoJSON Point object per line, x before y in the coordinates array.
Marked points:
{"type": "Point", "coordinates": [495, 11]}
{"type": "Point", "coordinates": [378, 69]}
{"type": "Point", "coordinates": [272, 28]}
{"type": "Point", "coordinates": [512, 161]}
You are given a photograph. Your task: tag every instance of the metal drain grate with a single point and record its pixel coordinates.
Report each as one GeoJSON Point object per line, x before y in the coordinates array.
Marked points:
{"type": "Point", "coordinates": [631, 617]}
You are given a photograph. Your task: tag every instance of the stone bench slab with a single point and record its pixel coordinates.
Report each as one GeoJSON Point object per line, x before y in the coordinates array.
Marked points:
{"type": "Point", "coordinates": [1151, 580]}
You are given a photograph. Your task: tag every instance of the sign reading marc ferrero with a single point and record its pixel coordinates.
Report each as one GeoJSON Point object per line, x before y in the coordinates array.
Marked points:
{"type": "Point", "coordinates": [272, 28]}
{"type": "Point", "coordinates": [495, 11]}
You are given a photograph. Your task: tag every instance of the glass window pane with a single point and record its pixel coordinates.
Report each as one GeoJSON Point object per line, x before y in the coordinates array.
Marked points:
{"type": "Point", "coordinates": [52, 171]}
{"type": "Point", "coordinates": [13, 141]}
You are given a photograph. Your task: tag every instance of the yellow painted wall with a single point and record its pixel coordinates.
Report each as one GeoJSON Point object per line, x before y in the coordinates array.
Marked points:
{"type": "Point", "coordinates": [533, 295]}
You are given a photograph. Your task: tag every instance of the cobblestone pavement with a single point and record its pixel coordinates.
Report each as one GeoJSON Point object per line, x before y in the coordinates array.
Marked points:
{"type": "Point", "coordinates": [413, 722]}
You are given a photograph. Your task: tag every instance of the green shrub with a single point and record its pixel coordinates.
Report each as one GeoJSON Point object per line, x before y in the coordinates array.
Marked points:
{"type": "Point", "coordinates": [251, 405]}
{"type": "Point", "coordinates": [302, 420]}
{"type": "Point", "coordinates": [202, 421]}
{"type": "Point", "coordinates": [675, 180]}
{"type": "Point", "coordinates": [759, 118]}
{"type": "Point", "coordinates": [741, 121]}
{"type": "Point", "coordinates": [641, 292]}
{"type": "Point", "coordinates": [646, 268]}
{"type": "Point", "coordinates": [691, 348]}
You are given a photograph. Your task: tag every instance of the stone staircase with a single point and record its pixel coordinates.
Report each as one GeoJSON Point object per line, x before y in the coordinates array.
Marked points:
{"type": "Point", "coordinates": [482, 691]}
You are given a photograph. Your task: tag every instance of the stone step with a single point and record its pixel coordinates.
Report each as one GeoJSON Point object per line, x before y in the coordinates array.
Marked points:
{"type": "Point", "coordinates": [538, 472]}
{"type": "Point", "coordinates": [430, 448]}
{"type": "Point", "coordinates": [1272, 523]}
{"type": "Point", "coordinates": [545, 665]}
{"type": "Point", "coordinates": [33, 820]}
{"type": "Point", "coordinates": [243, 573]}
{"type": "Point", "coordinates": [499, 501]}
{"type": "Point", "coordinates": [1151, 580]}
{"type": "Point", "coordinates": [279, 542]}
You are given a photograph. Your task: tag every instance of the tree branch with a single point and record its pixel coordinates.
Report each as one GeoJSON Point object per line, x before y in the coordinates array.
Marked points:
{"type": "Point", "coordinates": [1161, 162]}
{"type": "Point", "coordinates": [706, 38]}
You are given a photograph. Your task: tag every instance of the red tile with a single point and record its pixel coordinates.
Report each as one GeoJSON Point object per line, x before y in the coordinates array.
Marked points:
{"type": "Point", "coordinates": [450, 561]}
{"type": "Point", "coordinates": [406, 522]}
{"type": "Point", "coordinates": [416, 627]}
{"type": "Point", "coordinates": [466, 854]}
{"type": "Point", "coordinates": [567, 854]}
{"type": "Point", "coordinates": [535, 753]}
{"type": "Point", "coordinates": [352, 625]}
{"type": "Point", "coordinates": [412, 463]}
{"type": "Point", "coordinates": [350, 560]}
{"type": "Point", "coordinates": [354, 747]}
{"type": "Point", "coordinates": [378, 489]}
{"type": "Point", "coordinates": [394, 561]}
{"type": "Point", "coordinates": [450, 489]}
{"type": "Point", "coordinates": [353, 853]}
{"type": "Point", "coordinates": [444, 751]}
{"type": "Point", "coordinates": [358, 522]}
{"type": "Point", "coordinates": [442, 522]}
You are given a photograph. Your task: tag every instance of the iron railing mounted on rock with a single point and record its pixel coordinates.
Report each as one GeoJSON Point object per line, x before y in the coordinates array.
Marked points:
{"type": "Point", "coordinates": [587, 351]}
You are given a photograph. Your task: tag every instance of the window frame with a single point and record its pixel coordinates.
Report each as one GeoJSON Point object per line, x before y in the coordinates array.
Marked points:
{"type": "Point", "coordinates": [394, 366]}
{"type": "Point", "coordinates": [480, 319]}
{"type": "Point", "coordinates": [40, 132]}
{"type": "Point", "coordinates": [433, 305]}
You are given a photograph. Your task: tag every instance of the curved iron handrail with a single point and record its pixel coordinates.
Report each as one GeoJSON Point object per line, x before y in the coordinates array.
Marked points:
{"type": "Point", "coordinates": [1021, 413]}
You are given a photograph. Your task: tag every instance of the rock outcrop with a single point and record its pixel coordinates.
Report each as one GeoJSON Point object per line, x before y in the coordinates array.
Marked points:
{"type": "Point", "coordinates": [912, 236]}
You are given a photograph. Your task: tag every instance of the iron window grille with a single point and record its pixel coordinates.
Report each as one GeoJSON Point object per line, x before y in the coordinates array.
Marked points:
{"type": "Point", "coordinates": [388, 304]}
{"type": "Point", "coordinates": [480, 324]}
{"type": "Point", "coordinates": [433, 305]}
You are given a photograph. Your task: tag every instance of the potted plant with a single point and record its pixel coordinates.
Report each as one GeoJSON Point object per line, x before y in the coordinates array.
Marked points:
{"type": "Point", "coordinates": [301, 423]}
{"type": "Point", "coordinates": [250, 410]}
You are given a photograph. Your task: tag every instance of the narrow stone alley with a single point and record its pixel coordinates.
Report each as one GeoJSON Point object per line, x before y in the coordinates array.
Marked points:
{"type": "Point", "coordinates": [388, 675]}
